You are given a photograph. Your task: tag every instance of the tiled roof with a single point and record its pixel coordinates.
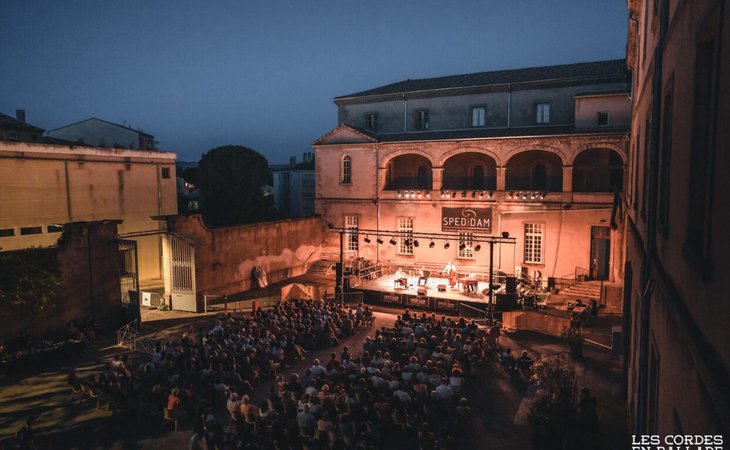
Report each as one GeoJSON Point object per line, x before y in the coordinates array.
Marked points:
{"type": "Point", "coordinates": [615, 67]}
{"type": "Point", "coordinates": [480, 133]}
{"type": "Point", "coordinates": [11, 123]}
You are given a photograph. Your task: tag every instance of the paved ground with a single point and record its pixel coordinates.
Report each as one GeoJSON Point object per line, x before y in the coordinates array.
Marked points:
{"type": "Point", "coordinates": [501, 401]}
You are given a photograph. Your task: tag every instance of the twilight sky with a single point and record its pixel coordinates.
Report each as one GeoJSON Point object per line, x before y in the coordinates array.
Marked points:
{"type": "Point", "coordinates": [198, 74]}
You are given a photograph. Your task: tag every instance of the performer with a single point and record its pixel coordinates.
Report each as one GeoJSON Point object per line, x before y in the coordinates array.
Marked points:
{"type": "Point", "coordinates": [450, 272]}
{"type": "Point", "coordinates": [401, 278]}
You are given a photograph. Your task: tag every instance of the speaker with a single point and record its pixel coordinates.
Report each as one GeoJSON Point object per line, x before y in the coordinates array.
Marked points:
{"type": "Point", "coordinates": [511, 285]}
{"type": "Point", "coordinates": [506, 302]}
{"type": "Point", "coordinates": [422, 291]}
{"type": "Point", "coordinates": [441, 287]}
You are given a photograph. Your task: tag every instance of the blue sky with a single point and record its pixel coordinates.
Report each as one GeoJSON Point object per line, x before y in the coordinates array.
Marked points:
{"type": "Point", "coordinates": [198, 74]}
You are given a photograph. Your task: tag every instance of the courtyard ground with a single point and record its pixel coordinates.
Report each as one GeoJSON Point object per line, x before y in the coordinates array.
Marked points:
{"type": "Point", "coordinates": [501, 401]}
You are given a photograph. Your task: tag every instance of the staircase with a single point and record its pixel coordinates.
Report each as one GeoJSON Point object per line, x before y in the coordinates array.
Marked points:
{"type": "Point", "coordinates": [320, 267]}
{"type": "Point", "coordinates": [584, 290]}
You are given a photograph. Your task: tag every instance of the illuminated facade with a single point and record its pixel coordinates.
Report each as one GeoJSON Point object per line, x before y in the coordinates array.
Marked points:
{"type": "Point", "coordinates": [538, 153]}
{"type": "Point", "coordinates": [678, 351]}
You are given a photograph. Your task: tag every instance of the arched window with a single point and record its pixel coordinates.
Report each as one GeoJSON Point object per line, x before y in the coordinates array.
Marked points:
{"type": "Point", "coordinates": [423, 178]}
{"type": "Point", "coordinates": [477, 177]}
{"type": "Point", "coordinates": [347, 169]}
{"type": "Point", "coordinates": [539, 176]}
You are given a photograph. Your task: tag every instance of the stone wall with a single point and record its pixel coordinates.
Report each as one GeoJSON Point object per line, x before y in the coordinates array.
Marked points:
{"type": "Point", "coordinates": [87, 259]}
{"type": "Point", "coordinates": [225, 257]}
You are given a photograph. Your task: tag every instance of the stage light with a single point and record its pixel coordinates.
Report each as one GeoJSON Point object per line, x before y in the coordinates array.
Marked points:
{"type": "Point", "coordinates": [443, 194]}
{"type": "Point", "coordinates": [428, 195]}
{"type": "Point", "coordinates": [330, 226]}
{"type": "Point", "coordinates": [415, 243]}
{"type": "Point", "coordinates": [400, 194]}
{"type": "Point", "coordinates": [491, 194]}
{"type": "Point", "coordinates": [509, 194]}
{"type": "Point", "coordinates": [419, 194]}
{"type": "Point", "coordinates": [367, 240]}
{"type": "Point", "coordinates": [447, 245]}
{"type": "Point", "coordinates": [408, 242]}
{"type": "Point", "coordinates": [432, 244]}
{"type": "Point", "coordinates": [393, 241]}
{"type": "Point", "coordinates": [542, 195]}
{"type": "Point", "coordinates": [524, 196]}
{"type": "Point", "coordinates": [463, 193]}
{"type": "Point", "coordinates": [505, 234]}
{"type": "Point", "coordinates": [481, 194]}
{"type": "Point", "coordinates": [379, 241]}
{"type": "Point", "coordinates": [462, 246]}
{"type": "Point", "coordinates": [474, 194]}
{"type": "Point", "coordinates": [477, 247]}
{"type": "Point", "coordinates": [453, 194]}
{"type": "Point", "coordinates": [532, 196]}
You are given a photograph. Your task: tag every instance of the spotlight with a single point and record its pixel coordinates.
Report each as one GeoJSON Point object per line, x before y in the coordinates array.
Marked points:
{"type": "Point", "coordinates": [415, 243]}
{"type": "Point", "coordinates": [447, 245]}
{"type": "Point", "coordinates": [509, 194]}
{"type": "Point", "coordinates": [462, 246]}
{"type": "Point", "coordinates": [366, 239]}
{"type": "Point", "coordinates": [542, 195]}
{"type": "Point", "coordinates": [524, 196]}
{"type": "Point", "coordinates": [463, 193]}
{"type": "Point", "coordinates": [491, 194]}
{"type": "Point", "coordinates": [532, 196]}
{"type": "Point", "coordinates": [474, 194]}
{"type": "Point", "coordinates": [477, 247]}
{"type": "Point", "coordinates": [400, 194]}
{"type": "Point", "coordinates": [432, 244]}
{"type": "Point", "coordinates": [505, 234]}
{"type": "Point", "coordinates": [408, 242]}
{"type": "Point", "coordinates": [419, 194]}
{"type": "Point", "coordinates": [379, 241]}
{"type": "Point", "coordinates": [481, 194]}
{"type": "Point", "coordinates": [453, 194]}
{"type": "Point", "coordinates": [393, 241]}
{"type": "Point", "coordinates": [330, 226]}
{"type": "Point", "coordinates": [443, 194]}
{"type": "Point", "coordinates": [428, 195]}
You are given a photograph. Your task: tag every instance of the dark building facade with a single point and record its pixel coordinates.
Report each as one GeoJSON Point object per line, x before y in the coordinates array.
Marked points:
{"type": "Point", "coordinates": [676, 306]}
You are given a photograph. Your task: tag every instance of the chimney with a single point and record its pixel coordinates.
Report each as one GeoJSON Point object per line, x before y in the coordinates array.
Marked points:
{"type": "Point", "coordinates": [20, 115]}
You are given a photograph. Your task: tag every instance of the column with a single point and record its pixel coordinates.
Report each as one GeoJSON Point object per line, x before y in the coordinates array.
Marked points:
{"type": "Point", "coordinates": [501, 178]}
{"type": "Point", "coordinates": [567, 184]}
{"type": "Point", "coordinates": [437, 173]}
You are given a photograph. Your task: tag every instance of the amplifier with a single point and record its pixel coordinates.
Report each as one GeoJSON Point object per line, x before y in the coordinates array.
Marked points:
{"type": "Point", "coordinates": [422, 291]}
{"type": "Point", "coordinates": [441, 287]}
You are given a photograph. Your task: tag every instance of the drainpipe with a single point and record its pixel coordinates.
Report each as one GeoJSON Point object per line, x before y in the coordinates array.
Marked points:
{"type": "Point", "coordinates": [405, 113]}
{"type": "Point", "coordinates": [647, 281]}
{"type": "Point", "coordinates": [509, 104]}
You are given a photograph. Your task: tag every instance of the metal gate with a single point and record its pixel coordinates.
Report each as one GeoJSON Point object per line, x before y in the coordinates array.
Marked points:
{"type": "Point", "coordinates": [182, 274]}
{"type": "Point", "coordinates": [129, 280]}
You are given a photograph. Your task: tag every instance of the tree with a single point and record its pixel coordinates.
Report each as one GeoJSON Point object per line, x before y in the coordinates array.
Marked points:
{"type": "Point", "coordinates": [231, 180]}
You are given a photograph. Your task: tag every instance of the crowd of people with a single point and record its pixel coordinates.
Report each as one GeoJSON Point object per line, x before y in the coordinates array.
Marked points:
{"type": "Point", "coordinates": [405, 386]}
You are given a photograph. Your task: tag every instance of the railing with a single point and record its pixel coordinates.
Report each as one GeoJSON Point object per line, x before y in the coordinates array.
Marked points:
{"type": "Point", "coordinates": [471, 312]}
{"type": "Point", "coordinates": [127, 335]}
{"type": "Point", "coordinates": [414, 269]}
{"type": "Point", "coordinates": [345, 298]}
{"type": "Point", "coordinates": [581, 273]}
{"type": "Point", "coordinates": [335, 256]}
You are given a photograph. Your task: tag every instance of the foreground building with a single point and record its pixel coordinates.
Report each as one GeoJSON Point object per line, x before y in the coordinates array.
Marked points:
{"type": "Point", "coordinates": [538, 153]}
{"type": "Point", "coordinates": [101, 133]}
{"type": "Point", "coordinates": [44, 186]}
{"type": "Point", "coordinates": [678, 366]}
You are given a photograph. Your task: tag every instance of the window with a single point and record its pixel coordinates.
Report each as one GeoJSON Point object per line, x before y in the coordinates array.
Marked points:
{"type": "Point", "coordinates": [542, 113]}
{"type": "Point", "coordinates": [602, 118]}
{"type": "Point", "coordinates": [405, 240]}
{"type": "Point", "coordinates": [352, 239]}
{"type": "Point", "coordinates": [371, 121]}
{"type": "Point", "coordinates": [347, 170]}
{"type": "Point", "coordinates": [54, 228]}
{"type": "Point", "coordinates": [479, 116]}
{"type": "Point", "coordinates": [533, 243]}
{"type": "Point", "coordinates": [466, 245]}
{"type": "Point", "coordinates": [31, 230]}
{"type": "Point", "coordinates": [165, 172]}
{"type": "Point", "coordinates": [7, 232]}
{"type": "Point", "coordinates": [422, 119]}
{"type": "Point", "coordinates": [664, 161]}
{"type": "Point", "coordinates": [12, 136]}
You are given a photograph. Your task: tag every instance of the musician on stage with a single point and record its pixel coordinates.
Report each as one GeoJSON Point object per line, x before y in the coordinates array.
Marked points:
{"type": "Point", "coordinates": [450, 272]}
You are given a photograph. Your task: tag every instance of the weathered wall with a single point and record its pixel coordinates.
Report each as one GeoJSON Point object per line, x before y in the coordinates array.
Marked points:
{"type": "Point", "coordinates": [225, 257]}
{"type": "Point", "coordinates": [87, 258]}
{"type": "Point", "coordinates": [46, 185]}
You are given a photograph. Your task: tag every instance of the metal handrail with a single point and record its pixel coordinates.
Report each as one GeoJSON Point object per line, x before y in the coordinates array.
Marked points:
{"type": "Point", "coordinates": [127, 333]}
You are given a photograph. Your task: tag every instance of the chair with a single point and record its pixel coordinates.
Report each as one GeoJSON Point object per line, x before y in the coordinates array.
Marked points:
{"type": "Point", "coordinates": [423, 279]}
{"type": "Point", "coordinates": [169, 415]}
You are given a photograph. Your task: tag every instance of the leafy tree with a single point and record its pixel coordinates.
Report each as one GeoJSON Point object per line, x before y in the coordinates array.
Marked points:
{"type": "Point", "coordinates": [29, 284]}
{"type": "Point", "coordinates": [231, 180]}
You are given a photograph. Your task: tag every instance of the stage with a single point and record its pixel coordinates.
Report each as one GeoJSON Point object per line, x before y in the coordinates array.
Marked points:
{"type": "Point", "coordinates": [468, 297]}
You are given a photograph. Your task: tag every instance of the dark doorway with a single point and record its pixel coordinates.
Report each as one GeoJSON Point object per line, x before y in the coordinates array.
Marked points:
{"type": "Point", "coordinates": [600, 252]}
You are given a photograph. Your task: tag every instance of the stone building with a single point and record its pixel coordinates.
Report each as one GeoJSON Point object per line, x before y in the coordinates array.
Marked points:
{"type": "Point", "coordinates": [538, 153]}
{"type": "Point", "coordinates": [100, 133]}
{"type": "Point", "coordinates": [44, 186]}
{"type": "Point", "coordinates": [294, 187]}
{"type": "Point", "coordinates": [677, 366]}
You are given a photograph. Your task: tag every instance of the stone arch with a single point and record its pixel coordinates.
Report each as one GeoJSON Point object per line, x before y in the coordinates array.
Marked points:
{"type": "Point", "coordinates": [526, 148]}
{"type": "Point", "coordinates": [598, 169]}
{"type": "Point", "coordinates": [616, 148]}
{"type": "Point", "coordinates": [534, 169]}
{"type": "Point", "coordinates": [459, 171]}
{"type": "Point", "coordinates": [384, 160]}
{"type": "Point", "coordinates": [469, 149]}
{"type": "Point", "coordinates": [409, 171]}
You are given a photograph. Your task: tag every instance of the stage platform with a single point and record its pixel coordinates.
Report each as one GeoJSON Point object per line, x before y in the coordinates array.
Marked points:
{"type": "Point", "coordinates": [386, 291]}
